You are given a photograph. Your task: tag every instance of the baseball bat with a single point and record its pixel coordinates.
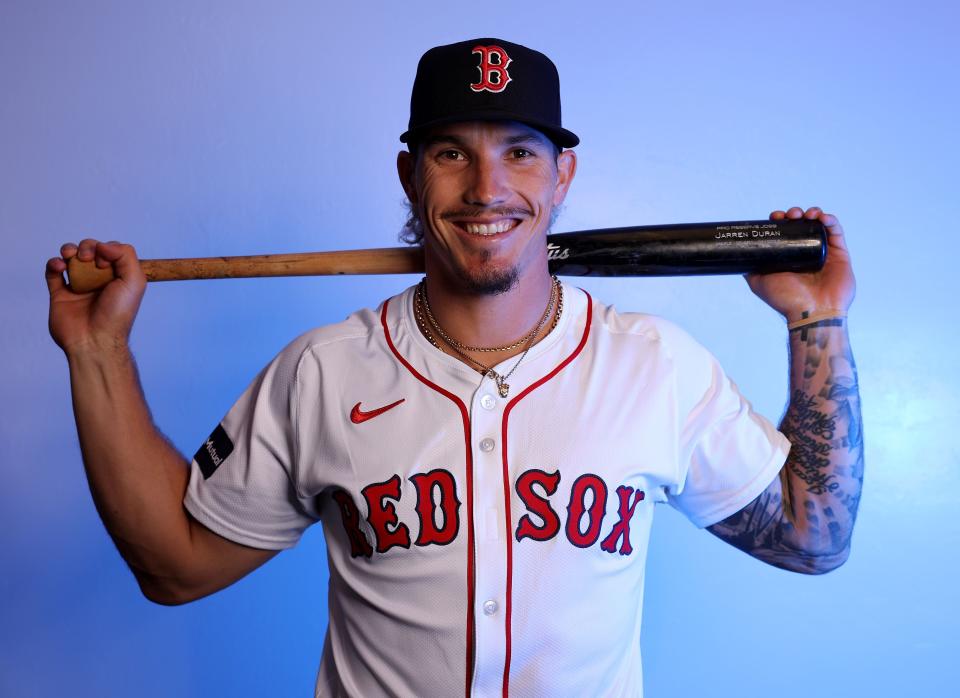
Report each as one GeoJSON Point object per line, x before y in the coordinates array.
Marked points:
{"type": "Point", "coordinates": [733, 247]}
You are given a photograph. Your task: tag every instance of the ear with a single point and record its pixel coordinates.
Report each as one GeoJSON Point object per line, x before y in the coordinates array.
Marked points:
{"type": "Point", "coordinates": [566, 169]}
{"type": "Point", "coordinates": [406, 169]}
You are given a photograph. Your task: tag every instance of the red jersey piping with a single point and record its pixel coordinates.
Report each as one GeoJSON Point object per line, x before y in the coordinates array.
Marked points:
{"type": "Point", "coordinates": [471, 592]}
{"type": "Point", "coordinates": [506, 488]}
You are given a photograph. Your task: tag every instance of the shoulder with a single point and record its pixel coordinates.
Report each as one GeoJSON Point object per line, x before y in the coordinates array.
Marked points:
{"type": "Point", "coordinates": [657, 348]}
{"type": "Point", "coordinates": [647, 329]}
{"type": "Point", "coordinates": [359, 326]}
{"type": "Point", "coordinates": [330, 344]}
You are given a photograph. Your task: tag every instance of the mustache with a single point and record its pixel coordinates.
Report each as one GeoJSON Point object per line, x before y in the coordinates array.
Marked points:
{"type": "Point", "coordinates": [480, 212]}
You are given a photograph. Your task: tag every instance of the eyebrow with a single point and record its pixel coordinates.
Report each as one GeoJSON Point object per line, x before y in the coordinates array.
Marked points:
{"type": "Point", "coordinates": [527, 138]}
{"type": "Point", "coordinates": [443, 138]}
{"type": "Point", "coordinates": [451, 139]}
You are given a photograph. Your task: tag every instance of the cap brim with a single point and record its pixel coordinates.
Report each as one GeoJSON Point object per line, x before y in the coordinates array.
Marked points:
{"type": "Point", "coordinates": [560, 136]}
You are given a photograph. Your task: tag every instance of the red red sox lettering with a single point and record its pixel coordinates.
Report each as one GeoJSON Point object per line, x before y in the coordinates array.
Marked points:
{"type": "Point", "coordinates": [437, 495]}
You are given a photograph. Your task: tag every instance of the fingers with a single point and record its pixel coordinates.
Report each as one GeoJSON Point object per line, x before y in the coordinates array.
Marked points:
{"type": "Point", "coordinates": [835, 236]}
{"type": "Point", "coordinates": [87, 250]}
{"type": "Point", "coordinates": [122, 257]}
{"type": "Point", "coordinates": [56, 266]}
{"type": "Point", "coordinates": [90, 250]}
{"type": "Point", "coordinates": [830, 222]}
{"type": "Point", "coordinates": [54, 275]}
{"type": "Point", "coordinates": [812, 213]}
{"type": "Point", "coordinates": [104, 254]}
{"type": "Point", "coordinates": [791, 213]}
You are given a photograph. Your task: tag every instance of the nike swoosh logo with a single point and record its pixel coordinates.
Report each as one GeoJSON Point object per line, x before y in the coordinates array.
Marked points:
{"type": "Point", "coordinates": [358, 416]}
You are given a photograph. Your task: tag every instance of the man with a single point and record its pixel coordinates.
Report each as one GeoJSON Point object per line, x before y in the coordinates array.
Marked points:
{"type": "Point", "coordinates": [485, 449]}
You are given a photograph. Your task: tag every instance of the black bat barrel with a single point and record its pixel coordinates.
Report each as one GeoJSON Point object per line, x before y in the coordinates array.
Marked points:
{"type": "Point", "coordinates": [733, 247]}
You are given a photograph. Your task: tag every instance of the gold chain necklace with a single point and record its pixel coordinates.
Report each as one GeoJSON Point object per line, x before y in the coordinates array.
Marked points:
{"type": "Point", "coordinates": [421, 301]}
{"type": "Point", "coordinates": [463, 347]}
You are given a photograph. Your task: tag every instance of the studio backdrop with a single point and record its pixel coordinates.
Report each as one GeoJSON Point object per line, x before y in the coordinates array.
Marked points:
{"type": "Point", "coordinates": [227, 128]}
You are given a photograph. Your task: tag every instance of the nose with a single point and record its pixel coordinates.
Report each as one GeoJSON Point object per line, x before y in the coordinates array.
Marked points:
{"type": "Point", "coordinates": [487, 182]}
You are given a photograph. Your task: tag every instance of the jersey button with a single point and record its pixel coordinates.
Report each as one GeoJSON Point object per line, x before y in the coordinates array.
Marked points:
{"type": "Point", "coordinates": [487, 445]}
{"type": "Point", "coordinates": [488, 402]}
{"type": "Point", "coordinates": [490, 607]}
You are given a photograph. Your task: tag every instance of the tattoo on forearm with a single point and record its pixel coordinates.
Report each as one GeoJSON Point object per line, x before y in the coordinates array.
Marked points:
{"type": "Point", "coordinates": [804, 520]}
{"type": "Point", "coordinates": [811, 432]}
{"type": "Point", "coordinates": [829, 322]}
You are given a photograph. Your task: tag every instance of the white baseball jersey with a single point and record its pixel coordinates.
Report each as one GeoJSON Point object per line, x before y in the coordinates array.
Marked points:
{"type": "Point", "coordinates": [480, 545]}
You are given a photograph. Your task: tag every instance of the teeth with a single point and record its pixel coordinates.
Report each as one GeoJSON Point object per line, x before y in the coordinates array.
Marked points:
{"type": "Point", "coordinates": [489, 228]}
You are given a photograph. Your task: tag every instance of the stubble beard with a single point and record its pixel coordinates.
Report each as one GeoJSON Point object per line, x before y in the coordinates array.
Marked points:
{"type": "Point", "coordinates": [490, 282]}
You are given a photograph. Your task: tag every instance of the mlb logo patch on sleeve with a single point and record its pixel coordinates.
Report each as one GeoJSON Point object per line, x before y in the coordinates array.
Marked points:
{"type": "Point", "coordinates": [213, 451]}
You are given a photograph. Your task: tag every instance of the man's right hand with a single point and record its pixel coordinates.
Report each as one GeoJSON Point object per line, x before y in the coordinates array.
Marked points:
{"type": "Point", "coordinates": [100, 320]}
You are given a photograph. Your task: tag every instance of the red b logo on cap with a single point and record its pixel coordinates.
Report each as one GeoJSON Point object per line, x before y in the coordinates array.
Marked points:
{"type": "Point", "coordinates": [493, 69]}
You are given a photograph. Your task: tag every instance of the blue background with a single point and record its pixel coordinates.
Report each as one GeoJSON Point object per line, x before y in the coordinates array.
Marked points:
{"type": "Point", "coordinates": [208, 128]}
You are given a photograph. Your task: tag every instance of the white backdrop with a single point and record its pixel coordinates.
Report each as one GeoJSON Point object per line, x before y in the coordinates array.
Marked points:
{"type": "Point", "coordinates": [203, 128]}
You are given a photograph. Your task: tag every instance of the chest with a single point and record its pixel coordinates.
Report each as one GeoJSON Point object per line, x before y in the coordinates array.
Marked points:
{"type": "Point", "coordinates": [567, 459]}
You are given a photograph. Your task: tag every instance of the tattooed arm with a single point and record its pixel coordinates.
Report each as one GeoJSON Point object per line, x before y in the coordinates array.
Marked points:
{"type": "Point", "coordinates": [804, 520]}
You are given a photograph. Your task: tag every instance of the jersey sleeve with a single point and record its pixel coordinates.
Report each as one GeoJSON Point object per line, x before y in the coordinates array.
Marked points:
{"type": "Point", "coordinates": [728, 454]}
{"type": "Point", "coordinates": [243, 479]}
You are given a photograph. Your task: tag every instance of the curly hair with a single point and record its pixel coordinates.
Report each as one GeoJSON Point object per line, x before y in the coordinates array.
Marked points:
{"type": "Point", "coordinates": [412, 230]}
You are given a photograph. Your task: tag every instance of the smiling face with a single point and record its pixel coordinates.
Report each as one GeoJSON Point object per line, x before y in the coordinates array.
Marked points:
{"type": "Point", "coordinates": [485, 193]}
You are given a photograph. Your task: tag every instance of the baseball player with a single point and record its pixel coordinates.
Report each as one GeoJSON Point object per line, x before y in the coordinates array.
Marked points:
{"type": "Point", "coordinates": [485, 449]}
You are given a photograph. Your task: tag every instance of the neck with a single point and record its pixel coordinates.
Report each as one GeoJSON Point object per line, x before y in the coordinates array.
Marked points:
{"type": "Point", "coordinates": [489, 319]}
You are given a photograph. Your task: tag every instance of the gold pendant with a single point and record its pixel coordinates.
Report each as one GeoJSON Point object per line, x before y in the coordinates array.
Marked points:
{"type": "Point", "coordinates": [502, 386]}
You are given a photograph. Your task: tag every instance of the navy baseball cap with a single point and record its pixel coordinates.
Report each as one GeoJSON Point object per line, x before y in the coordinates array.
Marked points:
{"type": "Point", "coordinates": [487, 80]}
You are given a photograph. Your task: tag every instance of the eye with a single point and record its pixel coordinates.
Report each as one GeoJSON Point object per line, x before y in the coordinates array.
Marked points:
{"type": "Point", "coordinates": [521, 153]}
{"type": "Point", "coordinates": [451, 154]}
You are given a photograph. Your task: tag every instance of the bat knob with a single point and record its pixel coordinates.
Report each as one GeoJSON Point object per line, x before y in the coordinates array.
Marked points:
{"type": "Point", "coordinates": [87, 276]}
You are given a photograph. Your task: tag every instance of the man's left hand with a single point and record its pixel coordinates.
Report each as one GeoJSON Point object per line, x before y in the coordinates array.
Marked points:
{"type": "Point", "coordinates": [831, 288]}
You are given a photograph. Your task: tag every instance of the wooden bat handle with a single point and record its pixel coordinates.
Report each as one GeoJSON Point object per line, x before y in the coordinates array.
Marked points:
{"type": "Point", "coordinates": [86, 276]}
